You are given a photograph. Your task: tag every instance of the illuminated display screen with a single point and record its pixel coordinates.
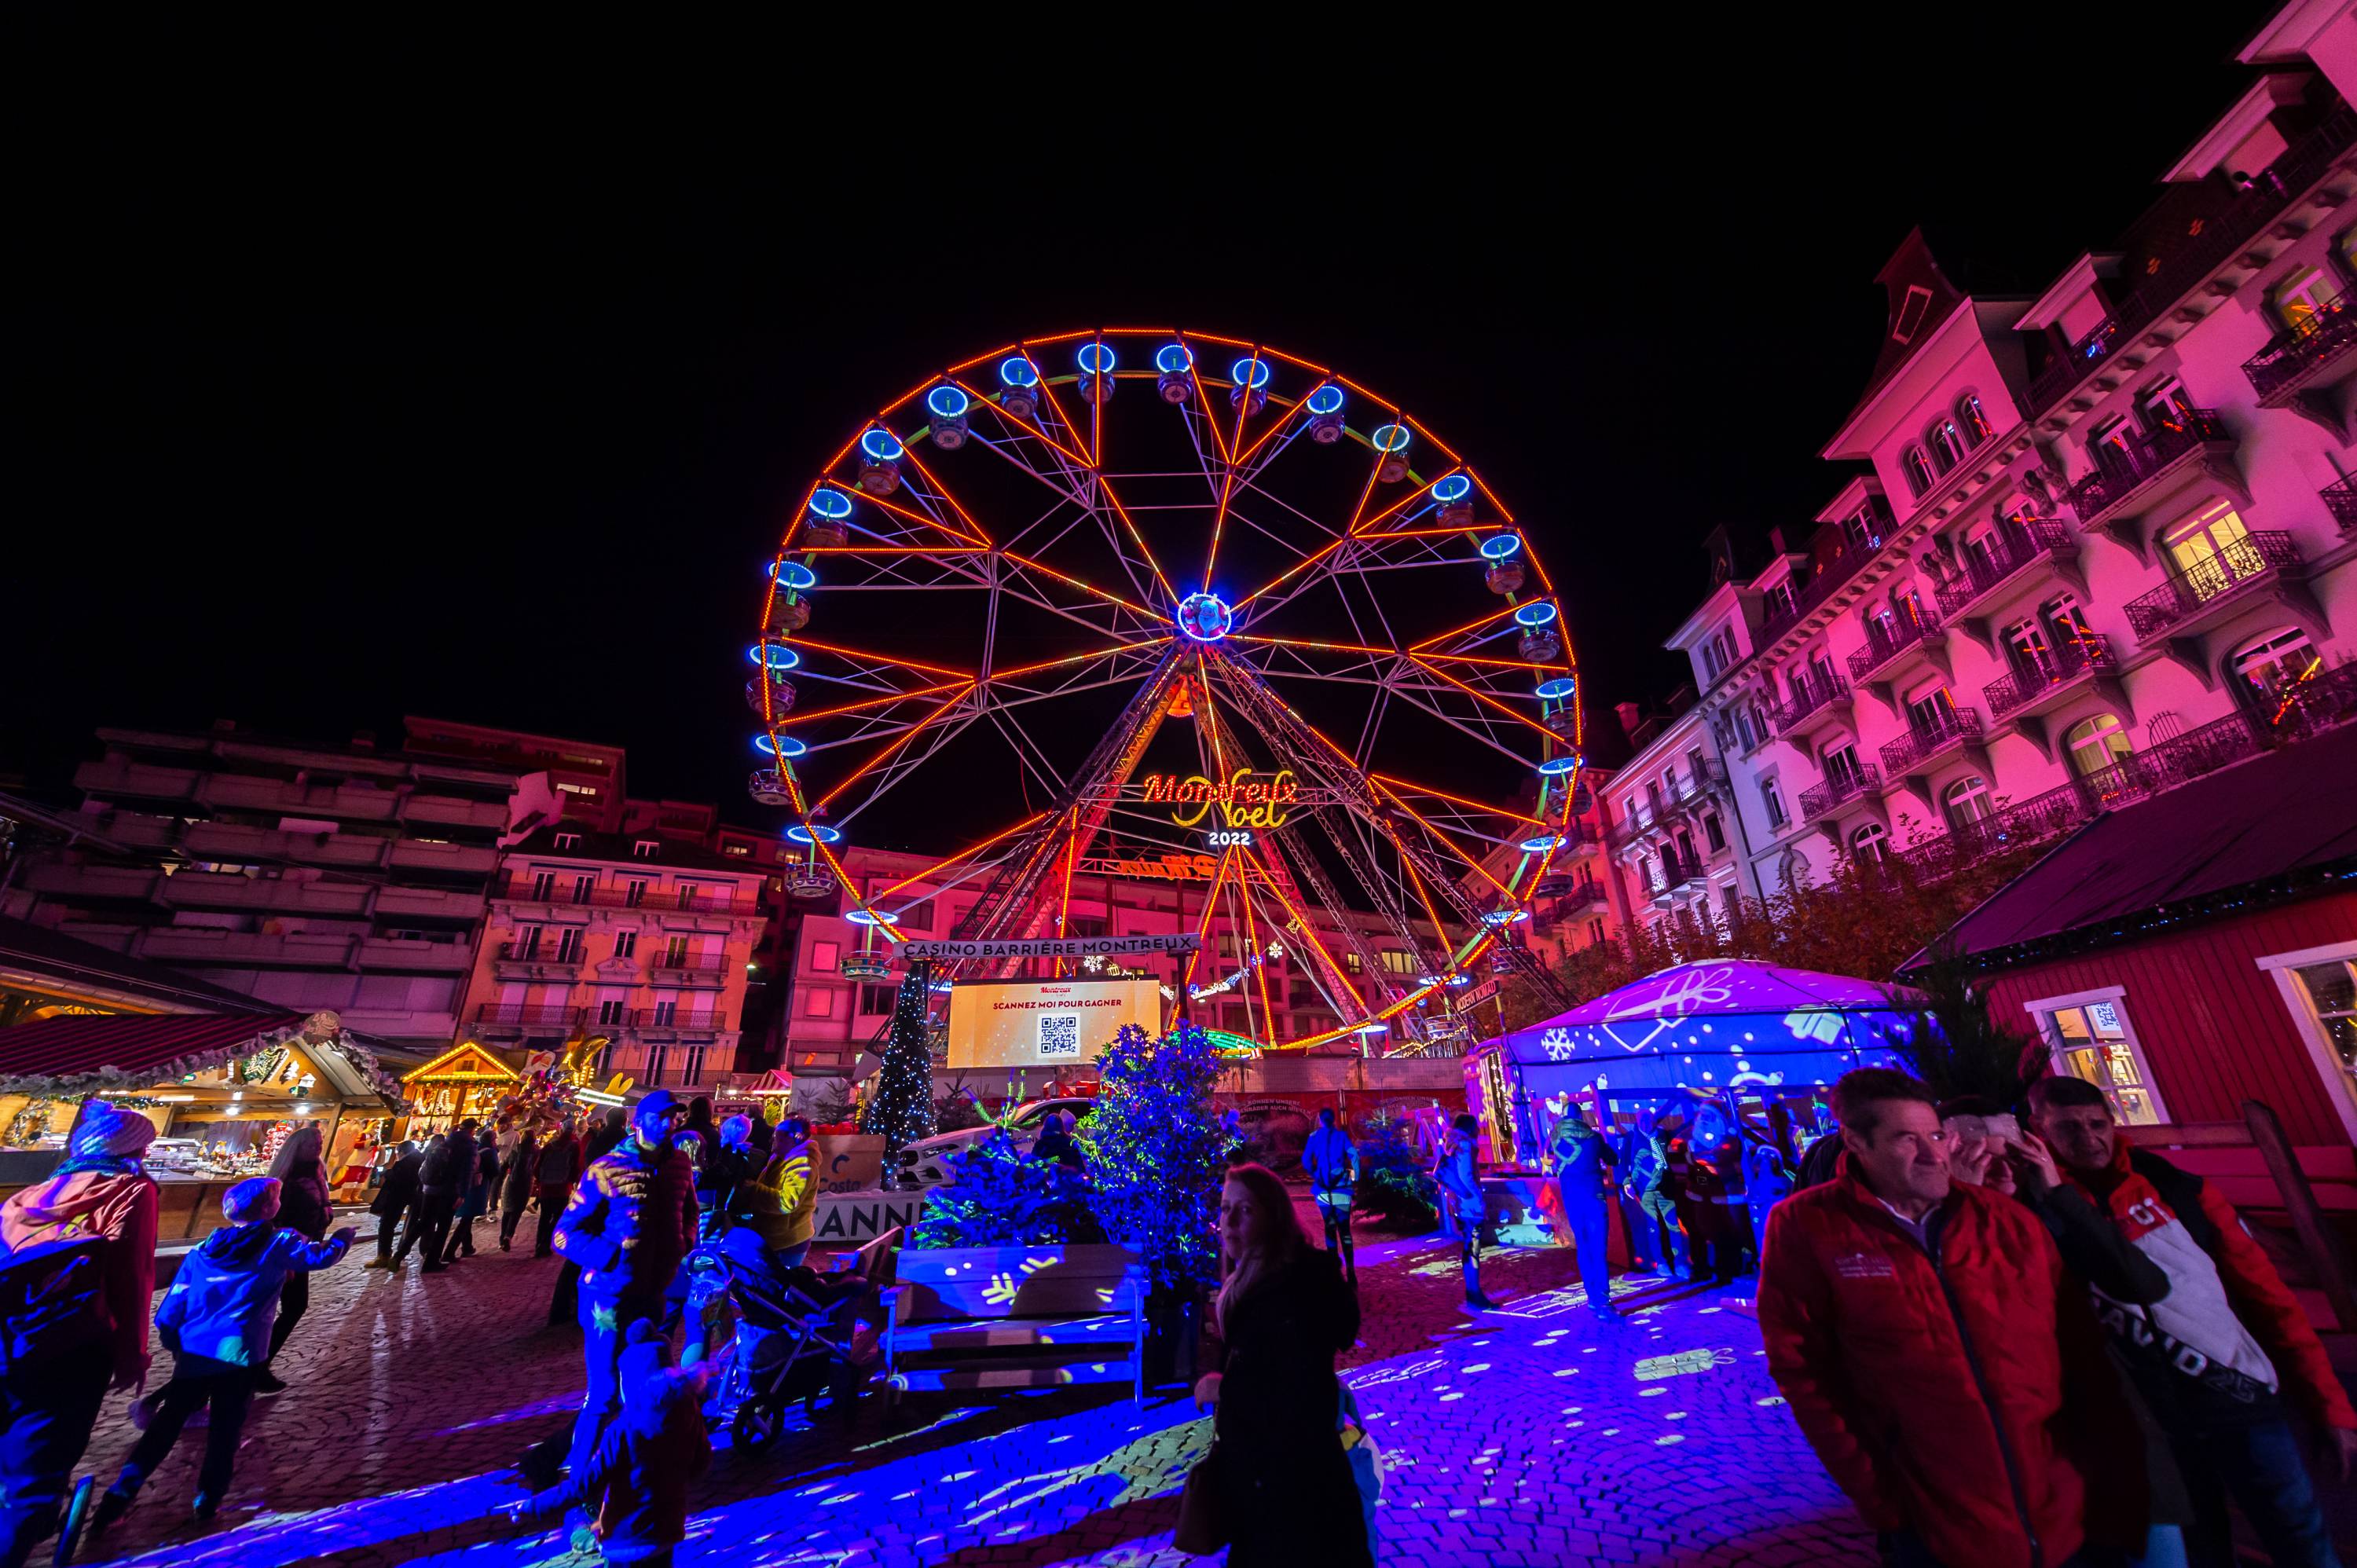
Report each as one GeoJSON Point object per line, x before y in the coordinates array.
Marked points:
{"type": "Point", "coordinates": [1046, 1023]}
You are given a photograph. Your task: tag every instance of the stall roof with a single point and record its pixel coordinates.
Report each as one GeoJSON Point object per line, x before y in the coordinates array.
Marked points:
{"type": "Point", "coordinates": [40, 951]}
{"type": "Point", "coordinates": [2289, 814]}
{"type": "Point", "coordinates": [68, 1055]}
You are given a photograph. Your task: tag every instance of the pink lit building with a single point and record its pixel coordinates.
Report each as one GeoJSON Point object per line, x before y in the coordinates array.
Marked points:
{"type": "Point", "coordinates": [2089, 544]}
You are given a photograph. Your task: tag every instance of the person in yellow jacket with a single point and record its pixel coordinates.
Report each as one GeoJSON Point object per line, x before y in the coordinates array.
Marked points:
{"type": "Point", "coordinates": [783, 1202]}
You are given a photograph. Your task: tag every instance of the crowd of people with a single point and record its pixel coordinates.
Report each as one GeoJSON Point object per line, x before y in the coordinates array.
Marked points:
{"type": "Point", "coordinates": [2040, 1347]}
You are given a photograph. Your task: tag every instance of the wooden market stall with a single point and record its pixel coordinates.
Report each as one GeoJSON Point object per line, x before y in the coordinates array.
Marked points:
{"type": "Point", "coordinates": [465, 1080]}
{"type": "Point", "coordinates": [223, 1090]}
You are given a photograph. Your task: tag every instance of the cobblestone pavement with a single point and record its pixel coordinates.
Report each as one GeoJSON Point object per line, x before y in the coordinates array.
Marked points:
{"type": "Point", "coordinates": [1529, 1435]}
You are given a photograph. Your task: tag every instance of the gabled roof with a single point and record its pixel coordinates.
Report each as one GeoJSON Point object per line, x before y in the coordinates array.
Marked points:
{"type": "Point", "coordinates": [2277, 826]}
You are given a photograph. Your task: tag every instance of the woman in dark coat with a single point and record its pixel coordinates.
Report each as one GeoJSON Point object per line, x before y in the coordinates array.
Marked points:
{"type": "Point", "coordinates": [303, 1207]}
{"type": "Point", "coordinates": [515, 1187]}
{"type": "Point", "coordinates": [1286, 1495]}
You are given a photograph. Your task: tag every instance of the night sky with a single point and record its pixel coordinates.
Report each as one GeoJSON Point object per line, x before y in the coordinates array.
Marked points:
{"type": "Point", "coordinates": [355, 377]}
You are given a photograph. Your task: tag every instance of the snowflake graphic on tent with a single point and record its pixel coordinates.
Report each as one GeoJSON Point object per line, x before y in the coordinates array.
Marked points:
{"type": "Point", "coordinates": [1557, 1044]}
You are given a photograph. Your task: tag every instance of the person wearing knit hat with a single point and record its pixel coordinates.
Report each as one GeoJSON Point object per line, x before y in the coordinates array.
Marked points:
{"type": "Point", "coordinates": [55, 1373]}
{"type": "Point", "coordinates": [216, 1320]}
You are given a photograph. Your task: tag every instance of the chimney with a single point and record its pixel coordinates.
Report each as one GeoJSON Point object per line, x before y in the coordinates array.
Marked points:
{"type": "Point", "coordinates": [1776, 539]}
{"type": "Point", "coordinates": [1631, 718]}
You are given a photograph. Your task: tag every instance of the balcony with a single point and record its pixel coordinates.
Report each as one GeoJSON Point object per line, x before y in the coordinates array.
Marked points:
{"type": "Point", "coordinates": [1987, 574]}
{"type": "Point", "coordinates": [2062, 673]}
{"type": "Point", "coordinates": [2188, 756]}
{"type": "Point", "coordinates": [428, 905]}
{"type": "Point", "coordinates": [2151, 469]}
{"type": "Point", "coordinates": [528, 890]}
{"type": "Point", "coordinates": [2191, 602]}
{"type": "Point", "coordinates": [517, 960]}
{"type": "Point", "coordinates": [407, 955]}
{"type": "Point", "coordinates": [2300, 367]}
{"type": "Point", "coordinates": [2221, 238]}
{"type": "Point", "coordinates": [2340, 500]}
{"type": "Point", "coordinates": [1862, 783]}
{"type": "Point", "coordinates": [115, 779]}
{"type": "Point", "coordinates": [1817, 701]}
{"type": "Point", "coordinates": [136, 830]}
{"type": "Point", "coordinates": [285, 797]}
{"type": "Point", "coordinates": [1694, 786]}
{"type": "Point", "coordinates": [651, 1020]}
{"type": "Point", "coordinates": [448, 810]}
{"type": "Point", "coordinates": [1889, 646]}
{"type": "Point", "coordinates": [431, 859]}
{"type": "Point", "coordinates": [501, 1017]}
{"type": "Point", "coordinates": [1925, 745]}
{"type": "Point", "coordinates": [289, 895]}
{"type": "Point", "coordinates": [78, 883]}
{"type": "Point", "coordinates": [694, 971]}
{"type": "Point", "coordinates": [237, 841]}
{"type": "Point", "coordinates": [203, 945]}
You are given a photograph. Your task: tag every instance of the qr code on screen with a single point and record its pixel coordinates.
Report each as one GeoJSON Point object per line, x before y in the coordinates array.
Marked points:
{"type": "Point", "coordinates": [1060, 1035]}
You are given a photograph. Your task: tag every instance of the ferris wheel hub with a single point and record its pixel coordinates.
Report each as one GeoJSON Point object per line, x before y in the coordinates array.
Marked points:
{"type": "Point", "coordinates": [1205, 616]}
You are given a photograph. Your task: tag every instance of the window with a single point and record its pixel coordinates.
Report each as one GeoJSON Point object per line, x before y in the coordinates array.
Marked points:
{"type": "Point", "coordinates": [1596, 930]}
{"type": "Point", "coordinates": [2264, 671]}
{"type": "Point", "coordinates": [1714, 833]}
{"type": "Point", "coordinates": [567, 840]}
{"type": "Point", "coordinates": [612, 1011]}
{"type": "Point", "coordinates": [1712, 664]}
{"type": "Point", "coordinates": [1974, 421]}
{"type": "Point", "coordinates": [818, 1002]}
{"type": "Point", "coordinates": [1984, 552]}
{"type": "Point", "coordinates": [1777, 603]}
{"type": "Point", "coordinates": [921, 919]}
{"type": "Point", "coordinates": [1841, 764]}
{"type": "Point", "coordinates": [1947, 443]}
{"type": "Point", "coordinates": [584, 886]}
{"type": "Point", "coordinates": [588, 791]}
{"type": "Point", "coordinates": [544, 886]}
{"type": "Point", "coordinates": [634, 893]}
{"type": "Point", "coordinates": [2319, 987]}
{"type": "Point", "coordinates": [665, 1012]}
{"type": "Point", "coordinates": [658, 1057]}
{"type": "Point", "coordinates": [1398, 962]}
{"type": "Point", "coordinates": [1351, 963]}
{"type": "Point", "coordinates": [645, 848]}
{"type": "Point", "coordinates": [1918, 469]}
{"type": "Point", "coordinates": [674, 952]}
{"type": "Point", "coordinates": [692, 1068]}
{"type": "Point", "coordinates": [1866, 844]}
{"type": "Point", "coordinates": [569, 943]}
{"type": "Point", "coordinates": [1933, 713]}
{"type": "Point", "coordinates": [2090, 1038]}
{"type": "Point", "coordinates": [877, 998]}
{"type": "Point", "coordinates": [526, 945]}
{"type": "Point", "coordinates": [2195, 548]}
{"type": "Point", "coordinates": [626, 944]}
{"type": "Point", "coordinates": [2109, 445]}
{"type": "Point", "coordinates": [2303, 301]}
{"type": "Point", "coordinates": [1863, 529]}
{"type": "Point", "coordinates": [2166, 406]}
{"type": "Point", "coordinates": [1772, 797]}
{"type": "Point", "coordinates": [2097, 744]}
{"type": "Point", "coordinates": [2067, 620]}
{"type": "Point", "coordinates": [825, 956]}
{"type": "Point", "coordinates": [735, 849]}
{"type": "Point", "coordinates": [1967, 802]}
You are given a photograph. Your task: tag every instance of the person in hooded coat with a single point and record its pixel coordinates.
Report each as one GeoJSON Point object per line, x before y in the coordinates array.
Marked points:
{"type": "Point", "coordinates": [303, 1207]}
{"type": "Point", "coordinates": [97, 1208]}
{"type": "Point", "coordinates": [396, 1201]}
{"type": "Point", "coordinates": [516, 1188]}
{"type": "Point", "coordinates": [637, 1476]}
{"type": "Point", "coordinates": [216, 1321]}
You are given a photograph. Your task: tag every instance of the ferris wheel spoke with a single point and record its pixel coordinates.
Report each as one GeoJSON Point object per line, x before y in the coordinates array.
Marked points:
{"type": "Point", "coordinates": [890, 750]}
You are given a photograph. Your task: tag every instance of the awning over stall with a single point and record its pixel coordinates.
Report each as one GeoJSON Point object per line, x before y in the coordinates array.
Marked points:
{"type": "Point", "coordinates": [77, 1054]}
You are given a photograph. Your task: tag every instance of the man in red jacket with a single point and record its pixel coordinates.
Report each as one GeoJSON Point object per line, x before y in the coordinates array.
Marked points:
{"type": "Point", "coordinates": [1922, 1334]}
{"type": "Point", "coordinates": [2222, 1355]}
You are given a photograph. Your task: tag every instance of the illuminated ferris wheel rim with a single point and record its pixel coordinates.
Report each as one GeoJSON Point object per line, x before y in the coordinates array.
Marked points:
{"type": "Point", "coordinates": [1165, 622]}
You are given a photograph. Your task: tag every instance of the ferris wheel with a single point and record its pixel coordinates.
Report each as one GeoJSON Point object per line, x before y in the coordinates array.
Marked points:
{"type": "Point", "coordinates": [1125, 594]}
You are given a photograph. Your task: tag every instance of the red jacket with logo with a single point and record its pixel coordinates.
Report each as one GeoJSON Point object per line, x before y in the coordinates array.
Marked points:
{"type": "Point", "coordinates": [1962, 1399]}
{"type": "Point", "coordinates": [2236, 1311]}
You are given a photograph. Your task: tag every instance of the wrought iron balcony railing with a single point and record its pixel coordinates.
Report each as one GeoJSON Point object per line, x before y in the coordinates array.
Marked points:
{"type": "Point", "coordinates": [2340, 500]}
{"type": "Point", "coordinates": [1811, 695]}
{"type": "Point", "coordinates": [2123, 470]}
{"type": "Point", "coordinates": [1922, 742]}
{"type": "Point", "coordinates": [2090, 655]}
{"type": "Point", "coordinates": [1838, 789]}
{"type": "Point", "coordinates": [2318, 341]}
{"type": "Point", "coordinates": [1883, 644]}
{"type": "Point", "coordinates": [2018, 547]}
{"type": "Point", "coordinates": [2254, 558]}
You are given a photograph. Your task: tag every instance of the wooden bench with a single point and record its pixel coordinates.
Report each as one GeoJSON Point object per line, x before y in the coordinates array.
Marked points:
{"type": "Point", "coordinates": [996, 1318]}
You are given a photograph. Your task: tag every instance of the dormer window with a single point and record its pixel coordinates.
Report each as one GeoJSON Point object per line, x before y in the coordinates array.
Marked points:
{"type": "Point", "coordinates": [1918, 468]}
{"type": "Point", "coordinates": [1863, 530]}
{"type": "Point", "coordinates": [645, 848]}
{"type": "Point", "coordinates": [567, 840]}
{"type": "Point", "coordinates": [1973, 420]}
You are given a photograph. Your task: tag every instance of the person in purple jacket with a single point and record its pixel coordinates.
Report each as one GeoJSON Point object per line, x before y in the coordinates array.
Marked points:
{"type": "Point", "coordinates": [216, 1321]}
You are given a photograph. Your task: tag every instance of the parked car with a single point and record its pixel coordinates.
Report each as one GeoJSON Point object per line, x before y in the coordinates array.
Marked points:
{"type": "Point", "coordinates": [926, 1162]}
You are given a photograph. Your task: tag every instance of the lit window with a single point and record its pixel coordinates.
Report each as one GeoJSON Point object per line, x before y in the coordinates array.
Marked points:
{"type": "Point", "coordinates": [2331, 992]}
{"type": "Point", "coordinates": [1967, 802]}
{"type": "Point", "coordinates": [2271, 667]}
{"type": "Point", "coordinates": [1398, 962]}
{"type": "Point", "coordinates": [2090, 1038]}
{"type": "Point", "coordinates": [2167, 406]}
{"type": "Point", "coordinates": [2303, 301]}
{"type": "Point", "coordinates": [2098, 744]}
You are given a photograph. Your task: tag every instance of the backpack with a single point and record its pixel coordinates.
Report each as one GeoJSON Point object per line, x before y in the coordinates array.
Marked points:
{"type": "Point", "coordinates": [51, 1297]}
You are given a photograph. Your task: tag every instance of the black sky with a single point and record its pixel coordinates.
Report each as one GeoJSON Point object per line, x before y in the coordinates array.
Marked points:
{"type": "Point", "coordinates": [356, 376]}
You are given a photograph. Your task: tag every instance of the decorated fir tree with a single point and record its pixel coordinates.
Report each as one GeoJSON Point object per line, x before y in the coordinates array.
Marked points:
{"type": "Point", "coordinates": [1157, 1151]}
{"type": "Point", "coordinates": [900, 1111]}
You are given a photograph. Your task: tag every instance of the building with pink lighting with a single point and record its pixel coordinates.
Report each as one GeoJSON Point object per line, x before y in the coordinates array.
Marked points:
{"type": "Point", "coordinates": [2086, 545]}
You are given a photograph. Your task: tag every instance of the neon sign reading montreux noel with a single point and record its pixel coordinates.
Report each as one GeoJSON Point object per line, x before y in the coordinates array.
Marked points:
{"type": "Point", "coordinates": [1249, 800]}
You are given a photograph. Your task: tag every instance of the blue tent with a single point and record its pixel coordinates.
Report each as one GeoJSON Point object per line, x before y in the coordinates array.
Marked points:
{"type": "Point", "coordinates": [1732, 1030]}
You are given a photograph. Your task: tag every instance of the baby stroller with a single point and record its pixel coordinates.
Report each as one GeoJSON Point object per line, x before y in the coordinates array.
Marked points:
{"type": "Point", "coordinates": [795, 1337]}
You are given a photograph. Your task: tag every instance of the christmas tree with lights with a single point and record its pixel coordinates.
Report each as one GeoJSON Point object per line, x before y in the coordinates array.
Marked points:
{"type": "Point", "coordinates": [1157, 1151]}
{"type": "Point", "coordinates": [900, 1111]}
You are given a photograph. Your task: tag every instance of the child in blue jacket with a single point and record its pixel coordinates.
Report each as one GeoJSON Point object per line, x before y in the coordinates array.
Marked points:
{"type": "Point", "coordinates": [216, 1322]}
